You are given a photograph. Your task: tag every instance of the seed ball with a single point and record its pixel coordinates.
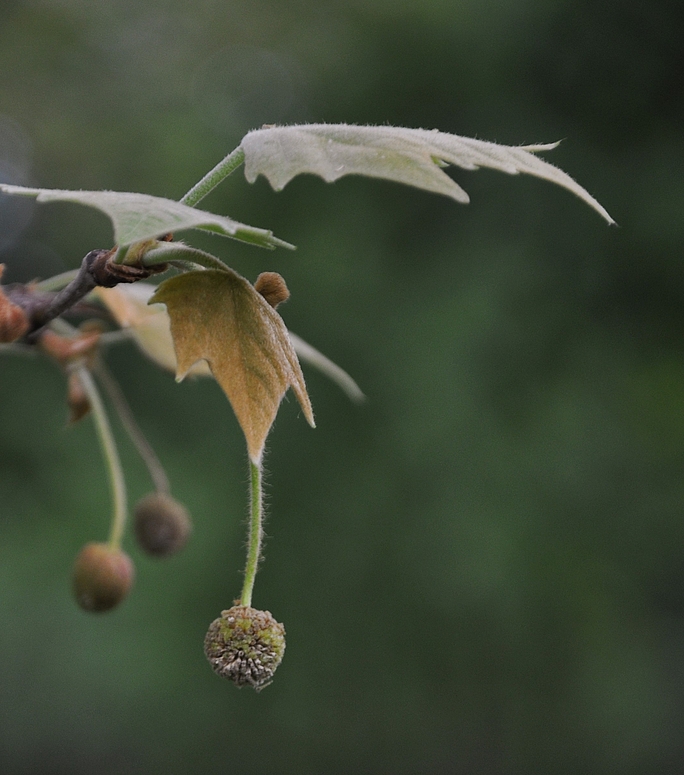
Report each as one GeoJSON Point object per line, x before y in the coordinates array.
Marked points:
{"type": "Point", "coordinates": [272, 287]}
{"type": "Point", "coordinates": [102, 577]}
{"type": "Point", "coordinates": [162, 525]}
{"type": "Point", "coordinates": [246, 646]}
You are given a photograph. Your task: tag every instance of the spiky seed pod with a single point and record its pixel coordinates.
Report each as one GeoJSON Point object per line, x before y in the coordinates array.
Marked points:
{"type": "Point", "coordinates": [246, 646]}
{"type": "Point", "coordinates": [102, 577]}
{"type": "Point", "coordinates": [272, 287]}
{"type": "Point", "coordinates": [162, 525]}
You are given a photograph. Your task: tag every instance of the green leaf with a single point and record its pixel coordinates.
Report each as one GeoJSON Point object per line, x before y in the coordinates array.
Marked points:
{"type": "Point", "coordinates": [217, 316]}
{"type": "Point", "coordinates": [411, 156]}
{"type": "Point", "coordinates": [139, 217]}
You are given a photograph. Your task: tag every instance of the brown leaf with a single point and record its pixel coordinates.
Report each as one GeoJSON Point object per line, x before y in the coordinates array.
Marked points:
{"type": "Point", "coordinates": [149, 324]}
{"type": "Point", "coordinates": [219, 317]}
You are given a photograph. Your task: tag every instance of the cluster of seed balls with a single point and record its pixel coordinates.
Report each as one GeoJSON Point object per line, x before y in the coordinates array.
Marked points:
{"type": "Point", "coordinates": [244, 644]}
{"type": "Point", "coordinates": [103, 575]}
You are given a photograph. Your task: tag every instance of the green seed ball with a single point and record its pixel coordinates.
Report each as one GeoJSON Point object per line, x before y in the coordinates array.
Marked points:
{"type": "Point", "coordinates": [162, 525]}
{"type": "Point", "coordinates": [246, 646]}
{"type": "Point", "coordinates": [102, 577]}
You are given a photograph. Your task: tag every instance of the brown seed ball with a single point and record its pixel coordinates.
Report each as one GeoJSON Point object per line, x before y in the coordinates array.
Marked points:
{"type": "Point", "coordinates": [246, 646]}
{"type": "Point", "coordinates": [162, 525]}
{"type": "Point", "coordinates": [102, 577]}
{"type": "Point", "coordinates": [272, 287]}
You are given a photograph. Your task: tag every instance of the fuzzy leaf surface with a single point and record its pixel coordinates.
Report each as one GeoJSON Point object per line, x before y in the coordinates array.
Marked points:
{"type": "Point", "coordinates": [411, 156]}
{"type": "Point", "coordinates": [217, 316]}
{"type": "Point", "coordinates": [139, 217]}
{"type": "Point", "coordinates": [149, 324]}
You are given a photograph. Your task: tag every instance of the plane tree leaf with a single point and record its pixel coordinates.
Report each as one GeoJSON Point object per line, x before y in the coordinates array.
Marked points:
{"type": "Point", "coordinates": [149, 324]}
{"type": "Point", "coordinates": [412, 156]}
{"type": "Point", "coordinates": [218, 317]}
{"type": "Point", "coordinates": [150, 327]}
{"type": "Point", "coordinates": [139, 217]}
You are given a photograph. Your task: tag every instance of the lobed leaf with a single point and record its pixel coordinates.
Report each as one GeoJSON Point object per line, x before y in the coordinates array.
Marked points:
{"type": "Point", "coordinates": [149, 324]}
{"type": "Point", "coordinates": [411, 156]}
{"type": "Point", "coordinates": [139, 217]}
{"type": "Point", "coordinates": [218, 317]}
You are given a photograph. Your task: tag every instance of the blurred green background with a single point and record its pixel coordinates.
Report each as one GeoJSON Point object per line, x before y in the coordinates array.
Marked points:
{"type": "Point", "coordinates": [481, 570]}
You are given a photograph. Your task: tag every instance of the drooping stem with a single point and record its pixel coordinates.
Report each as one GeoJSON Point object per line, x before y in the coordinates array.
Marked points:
{"type": "Point", "coordinates": [214, 177]}
{"type": "Point", "coordinates": [111, 456]}
{"type": "Point", "coordinates": [123, 409]}
{"type": "Point", "coordinates": [256, 532]}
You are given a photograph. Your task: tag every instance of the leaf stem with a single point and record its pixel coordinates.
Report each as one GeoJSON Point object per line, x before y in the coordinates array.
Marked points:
{"type": "Point", "coordinates": [123, 409]}
{"type": "Point", "coordinates": [121, 252]}
{"type": "Point", "coordinates": [214, 177]}
{"type": "Point", "coordinates": [57, 282]}
{"type": "Point", "coordinates": [256, 532]}
{"type": "Point", "coordinates": [111, 455]}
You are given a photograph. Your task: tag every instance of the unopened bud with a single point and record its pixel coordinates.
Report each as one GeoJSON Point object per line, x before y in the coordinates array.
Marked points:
{"type": "Point", "coordinates": [14, 322]}
{"type": "Point", "coordinates": [272, 287]}
{"type": "Point", "coordinates": [68, 349]}
{"type": "Point", "coordinates": [102, 577]}
{"type": "Point", "coordinates": [162, 525]}
{"type": "Point", "coordinates": [77, 399]}
{"type": "Point", "coordinates": [246, 646]}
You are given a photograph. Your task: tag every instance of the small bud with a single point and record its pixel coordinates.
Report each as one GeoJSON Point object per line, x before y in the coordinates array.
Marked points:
{"type": "Point", "coordinates": [272, 287]}
{"type": "Point", "coordinates": [102, 577]}
{"type": "Point", "coordinates": [14, 322]}
{"type": "Point", "coordinates": [68, 349]}
{"type": "Point", "coordinates": [246, 646]}
{"type": "Point", "coordinates": [162, 525]}
{"type": "Point", "coordinates": [77, 399]}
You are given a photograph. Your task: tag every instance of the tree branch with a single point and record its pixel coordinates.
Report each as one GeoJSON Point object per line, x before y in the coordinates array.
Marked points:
{"type": "Point", "coordinates": [97, 269]}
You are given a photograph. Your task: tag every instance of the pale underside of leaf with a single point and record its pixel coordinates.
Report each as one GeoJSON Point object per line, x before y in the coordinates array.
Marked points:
{"type": "Point", "coordinates": [338, 375]}
{"type": "Point", "coordinates": [411, 156]}
{"type": "Point", "coordinates": [217, 316]}
{"type": "Point", "coordinates": [138, 217]}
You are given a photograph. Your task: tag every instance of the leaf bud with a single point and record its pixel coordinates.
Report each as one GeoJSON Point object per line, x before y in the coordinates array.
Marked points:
{"type": "Point", "coordinates": [162, 525]}
{"type": "Point", "coordinates": [14, 322]}
{"type": "Point", "coordinates": [246, 646]}
{"type": "Point", "coordinates": [77, 399]}
{"type": "Point", "coordinates": [272, 287]}
{"type": "Point", "coordinates": [66, 350]}
{"type": "Point", "coordinates": [102, 577]}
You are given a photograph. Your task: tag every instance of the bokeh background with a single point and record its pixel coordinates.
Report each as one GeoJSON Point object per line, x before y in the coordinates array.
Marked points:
{"type": "Point", "coordinates": [481, 569]}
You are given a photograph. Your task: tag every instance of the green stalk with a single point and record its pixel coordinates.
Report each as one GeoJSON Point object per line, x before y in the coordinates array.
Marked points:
{"type": "Point", "coordinates": [57, 282]}
{"type": "Point", "coordinates": [118, 399]}
{"type": "Point", "coordinates": [120, 256]}
{"type": "Point", "coordinates": [214, 177]}
{"type": "Point", "coordinates": [256, 533]}
{"type": "Point", "coordinates": [116, 478]}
